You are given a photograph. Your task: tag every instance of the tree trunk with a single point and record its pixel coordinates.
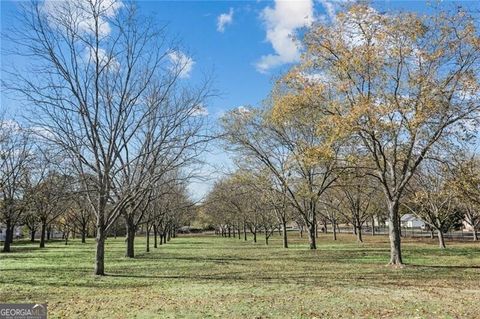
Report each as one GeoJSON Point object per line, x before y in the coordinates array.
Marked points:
{"type": "Point", "coordinates": [12, 234]}
{"type": "Point", "coordinates": [32, 236]}
{"type": "Point", "coordinates": [255, 236]}
{"type": "Point", "coordinates": [394, 234]}
{"type": "Point", "coordinates": [66, 237]}
{"type": "Point", "coordinates": [475, 236]}
{"type": "Point", "coordinates": [100, 253]}
{"type": "Point", "coordinates": [359, 234]}
{"type": "Point", "coordinates": [8, 234]}
{"type": "Point", "coordinates": [311, 236]}
{"type": "Point", "coordinates": [284, 233]}
{"type": "Point", "coordinates": [244, 232]}
{"type": "Point", "coordinates": [229, 232]}
{"type": "Point", "coordinates": [155, 234]}
{"type": "Point", "coordinates": [130, 249]}
{"type": "Point", "coordinates": [43, 229]}
{"type": "Point", "coordinates": [266, 238]}
{"type": "Point", "coordinates": [441, 239]}
{"type": "Point", "coordinates": [49, 232]}
{"type": "Point", "coordinates": [84, 234]}
{"type": "Point", "coordinates": [147, 234]}
{"type": "Point", "coordinates": [239, 233]}
{"type": "Point", "coordinates": [334, 227]}
{"type": "Point", "coordinates": [373, 226]}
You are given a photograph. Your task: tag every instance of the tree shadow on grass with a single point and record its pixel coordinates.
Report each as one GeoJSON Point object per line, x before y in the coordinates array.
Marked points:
{"type": "Point", "coordinates": [220, 259]}
{"type": "Point", "coordinates": [443, 266]}
{"type": "Point", "coordinates": [21, 249]}
{"type": "Point", "coordinates": [232, 277]}
{"type": "Point", "coordinates": [89, 284]}
{"type": "Point", "coordinates": [327, 279]}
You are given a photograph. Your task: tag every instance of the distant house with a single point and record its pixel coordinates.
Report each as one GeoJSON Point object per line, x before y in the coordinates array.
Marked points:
{"type": "Point", "coordinates": [411, 221]}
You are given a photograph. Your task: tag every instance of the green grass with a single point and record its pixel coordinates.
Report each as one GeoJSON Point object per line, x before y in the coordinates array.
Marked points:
{"type": "Point", "coordinates": [209, 277]}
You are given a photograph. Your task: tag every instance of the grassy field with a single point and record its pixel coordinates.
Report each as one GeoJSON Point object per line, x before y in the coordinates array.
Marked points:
{"type": "Point", "coordinates": [209, 277]}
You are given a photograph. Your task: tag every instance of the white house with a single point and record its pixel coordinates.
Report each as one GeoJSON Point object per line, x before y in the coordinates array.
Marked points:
{"type": "Point", "coordinates": [411, 221]}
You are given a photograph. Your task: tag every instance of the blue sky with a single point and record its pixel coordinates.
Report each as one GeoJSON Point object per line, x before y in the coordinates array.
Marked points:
{"type": "Point", "coordinates": [244, 44]}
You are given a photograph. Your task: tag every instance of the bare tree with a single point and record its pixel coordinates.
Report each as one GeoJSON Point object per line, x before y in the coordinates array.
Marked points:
{"type": "Point", "coordinates": [434, 200]}
{"type": "Point", "coordinates": [356, 194]}
{"type": "Point", "coordinates": [170, 141]}
{"type": "Point", "coordinates": [81, 214]}
{"type": "Point", "coordinates": [290, 150]}
{"type": "Point", "coordinates": [15, 158]}
{"type": "Point", "coordinates": [48, 197]}
{"type": "Point", "coordinates": [97, 65]}
{"type": "Point", "coordinates": [274, 196]}
{"type": "Point", "coordinates": [227, 204]}
{"type": "Point", "coordinates": [30, 220]}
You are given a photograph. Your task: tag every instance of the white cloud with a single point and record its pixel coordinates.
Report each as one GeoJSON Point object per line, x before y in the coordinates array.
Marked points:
{"type": "Point", "coordinates": [224, 19]}
{"type": "Point", "coordinates": [42, 132]}
{"type": "Point", "coordinates": [242, 111]}
{"type": "Point", "coordinates": [282, 21]}
{"type": "Point", "coordinates": [332, 6]}
{"type": "Point", "coordinates": [199, 110]}
{"type": "Point", "coordinates": [62, 12]}
{"type": "Point", "coordinates": [315, 78]}
{"type": "Point", "coordinates": [104, 59]}
{"type": "Point", "coordinates": [181, 63]}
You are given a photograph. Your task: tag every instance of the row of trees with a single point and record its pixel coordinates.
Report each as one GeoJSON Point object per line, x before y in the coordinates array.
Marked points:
{"type": "Point", "coordinates": [109, 98]}
{"type": "Point", "coordinates": [376, 101]}
{"type": "Point", "coordinates": [43, 194]}
{"type": "Point", "coordinates": [248, 202]}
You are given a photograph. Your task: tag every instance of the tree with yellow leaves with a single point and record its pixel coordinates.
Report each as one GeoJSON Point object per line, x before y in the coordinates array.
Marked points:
{"type": "Point", "coordinates": [394, 85]}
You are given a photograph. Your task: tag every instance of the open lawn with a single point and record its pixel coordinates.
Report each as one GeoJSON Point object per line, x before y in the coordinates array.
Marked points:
{"type": "Point", "coordinates": [211, 277]}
